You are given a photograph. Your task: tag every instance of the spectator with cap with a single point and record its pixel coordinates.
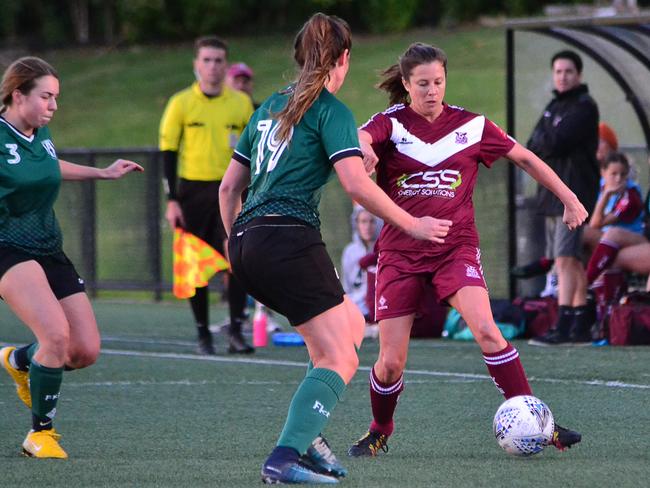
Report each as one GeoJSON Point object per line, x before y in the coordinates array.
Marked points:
{"type": "Point", "coordinates": [241, 77]}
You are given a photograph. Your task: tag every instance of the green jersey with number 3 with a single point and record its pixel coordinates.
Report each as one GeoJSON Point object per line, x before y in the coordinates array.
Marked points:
{"type": "Point", "coordinates": [287, 177]}
{"type": "Point", "coordinates": [30, 179]}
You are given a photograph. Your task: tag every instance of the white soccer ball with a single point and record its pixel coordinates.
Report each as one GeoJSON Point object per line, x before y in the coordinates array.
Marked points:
{"type": "Point", "coordinates": [523, 425]}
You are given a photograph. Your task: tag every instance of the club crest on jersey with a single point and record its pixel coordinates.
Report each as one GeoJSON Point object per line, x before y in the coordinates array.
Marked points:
{"type": "Point", "coordinates": [461, 137]}
{"type": "Point", "coordinates": [472, 272]}
{"type": "Point", "coordinates": [49, 147]}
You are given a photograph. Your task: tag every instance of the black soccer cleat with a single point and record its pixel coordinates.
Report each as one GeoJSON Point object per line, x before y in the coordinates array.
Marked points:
{"type": "Point", "coordinates": [293, 472]}
{"type": "Point", "coordinates": [237, 345]}
{"type": "Point", "coordinates": [563, 438]}
{"type": "Point", "coordinates": [205, 347]}
{"type": "Point", "coordinates": [553, 337]}
{"type": "Point", "coordinates": [369, 445]}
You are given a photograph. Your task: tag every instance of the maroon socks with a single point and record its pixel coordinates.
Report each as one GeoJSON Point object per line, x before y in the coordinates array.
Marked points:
{"type": "Point", "coordinates": [602, 258]}
{"type": "Point", "coordinates": [507, 372]}
{"type": "Point", "coordinates": [383, 399]}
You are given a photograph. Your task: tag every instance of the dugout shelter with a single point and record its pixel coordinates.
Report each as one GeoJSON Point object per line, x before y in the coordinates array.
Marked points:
{"type": "Point", "coordinates": [616, 55]}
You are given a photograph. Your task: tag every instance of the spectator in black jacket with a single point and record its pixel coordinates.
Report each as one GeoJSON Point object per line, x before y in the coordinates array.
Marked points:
{"type": "Point", "coordinates": [566, 137]}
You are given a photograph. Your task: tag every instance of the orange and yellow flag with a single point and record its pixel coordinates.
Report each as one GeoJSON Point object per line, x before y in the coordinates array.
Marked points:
{"type": "Point", "coordinates": [195, 262]}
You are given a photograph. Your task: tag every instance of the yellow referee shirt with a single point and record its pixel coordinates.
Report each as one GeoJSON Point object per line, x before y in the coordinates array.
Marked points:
{"type": "Point", "coordinates": [204, 130]}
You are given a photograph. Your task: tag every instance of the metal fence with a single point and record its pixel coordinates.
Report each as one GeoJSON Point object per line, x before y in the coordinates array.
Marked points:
{"type": "Point", "coordinates": [113, 229]}
{"type": "Point", "coordinates": [115, 232]}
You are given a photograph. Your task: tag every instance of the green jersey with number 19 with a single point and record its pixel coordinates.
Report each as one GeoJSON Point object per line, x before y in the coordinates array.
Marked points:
{"type": "Point", "coordinates": [287, 177]}
{"type": "Point", "coordinates": [30, 178]}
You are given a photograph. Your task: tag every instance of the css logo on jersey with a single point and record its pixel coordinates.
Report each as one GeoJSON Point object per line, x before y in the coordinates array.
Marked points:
{"type": "Point", "coordinates": [441, 183]}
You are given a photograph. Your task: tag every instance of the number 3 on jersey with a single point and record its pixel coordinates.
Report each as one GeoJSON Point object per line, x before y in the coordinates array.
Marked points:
{"type": "Point", "coordinates": [13, 151]}
{"type": "Point", "coordinates": [268, 145]}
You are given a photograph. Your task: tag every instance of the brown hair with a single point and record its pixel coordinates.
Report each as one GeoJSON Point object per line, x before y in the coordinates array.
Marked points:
{"type": "Point", "coordinates": [616, 157]}
{"type": "Point", "coordinates": [416, 54]}
{"type": "Point", "coordinates": [318, 45]}
{"type": "Point", "coordinates": [22, 75]}
{"type": "Point", "coordinates": [209, 41]}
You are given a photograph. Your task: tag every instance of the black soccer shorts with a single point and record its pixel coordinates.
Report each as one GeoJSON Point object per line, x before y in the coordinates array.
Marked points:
{"type": "Point", "coordinates": [59, 270]}
{"type": "Point", "coordinates": [283, 263]}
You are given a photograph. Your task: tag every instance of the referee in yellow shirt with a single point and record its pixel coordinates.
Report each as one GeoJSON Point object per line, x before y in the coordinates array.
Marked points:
{"type": "Point", "coordinates": [198, 132]}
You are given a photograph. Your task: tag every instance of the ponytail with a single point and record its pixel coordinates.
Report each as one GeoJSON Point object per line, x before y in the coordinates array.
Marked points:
{"type": "Point", "coordinates": [318, 45]}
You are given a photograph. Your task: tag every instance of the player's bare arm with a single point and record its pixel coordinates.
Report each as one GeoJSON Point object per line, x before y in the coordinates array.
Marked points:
{"type": "Point", "coordinates": [370, 159]}
{"type": "Point", "coordinates": [234, 182]}
{"type": "Point", "coordinates": [72, 171]}
{"type": "Point", "coordinates": [362, 189]}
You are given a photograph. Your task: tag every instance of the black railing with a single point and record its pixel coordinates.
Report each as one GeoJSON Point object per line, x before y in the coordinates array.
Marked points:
{"type": "Point", "coordinates": [143, 201]}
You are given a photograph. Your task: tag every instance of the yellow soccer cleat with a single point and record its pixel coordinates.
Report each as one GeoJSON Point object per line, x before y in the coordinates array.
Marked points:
{"type": "Point", "coordinates": [43, 444]}
{"type": "Point", "coordinates": [21, 378]}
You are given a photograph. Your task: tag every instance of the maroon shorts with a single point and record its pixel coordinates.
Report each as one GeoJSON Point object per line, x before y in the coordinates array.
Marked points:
{"type": "Point", "coordinates": [402, 278]}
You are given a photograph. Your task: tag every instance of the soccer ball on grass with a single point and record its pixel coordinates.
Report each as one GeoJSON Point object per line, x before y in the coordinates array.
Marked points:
{"type": "Point", "coordinates": [523, 425]}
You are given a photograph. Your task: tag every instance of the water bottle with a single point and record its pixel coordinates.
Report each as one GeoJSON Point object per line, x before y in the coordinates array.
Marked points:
{"type": "Point", "coordinates": [260, 320]}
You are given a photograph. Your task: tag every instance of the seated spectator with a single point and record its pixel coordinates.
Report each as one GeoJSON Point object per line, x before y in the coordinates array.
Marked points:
{"type": "Point", "coordinates": [365, 230]}
{"type": "Point", "coordinates": [618, 219]}
{"type": "Point", "coordinates": [635, 259]}
{"type": "Point", "coordinates": [620, 215]}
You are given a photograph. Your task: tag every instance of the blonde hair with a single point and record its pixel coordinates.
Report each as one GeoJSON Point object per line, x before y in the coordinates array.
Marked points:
{"type": "Point", "coordinates": [22, 75]}
{"type": "Point", "coordinates": [317, 47]}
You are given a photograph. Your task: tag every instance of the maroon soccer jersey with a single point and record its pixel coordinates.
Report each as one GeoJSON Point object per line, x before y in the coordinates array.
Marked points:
{"type": "Point", "coordinates": [430, 168]}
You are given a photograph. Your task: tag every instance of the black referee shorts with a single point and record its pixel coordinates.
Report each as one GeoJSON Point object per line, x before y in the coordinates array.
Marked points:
{"type": "Point", "coordinates": [59, 270]}
{"type": "Point", "coordinates": [199, 202]}
{"type": "Point", "coordinates": [282, 262]}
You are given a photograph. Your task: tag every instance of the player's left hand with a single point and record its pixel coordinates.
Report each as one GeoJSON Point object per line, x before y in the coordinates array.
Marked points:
{"type": "Point", "coordinates": [574, 214]}
{"type": "Point", "coordinates": [119, 168]}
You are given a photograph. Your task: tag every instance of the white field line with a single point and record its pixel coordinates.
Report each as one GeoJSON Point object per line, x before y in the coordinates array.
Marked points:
{"type": "Point", "coordinates": [297, 364]}
{"type": "Point", "coordinates": [408, 372]}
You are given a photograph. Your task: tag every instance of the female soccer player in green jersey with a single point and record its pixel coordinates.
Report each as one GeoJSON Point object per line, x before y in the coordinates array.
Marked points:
{"type": "Point", "coordinates": [37, 280]}
{"type": "Point", "coordinates": [290, 148]}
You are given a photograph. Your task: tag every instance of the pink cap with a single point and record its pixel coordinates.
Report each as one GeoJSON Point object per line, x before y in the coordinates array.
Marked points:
{"type": "Point", "coordinates": [240, 69]}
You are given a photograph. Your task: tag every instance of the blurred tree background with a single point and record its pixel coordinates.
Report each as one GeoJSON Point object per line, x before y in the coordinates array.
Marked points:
{"type": "Point", "coordinates": [40, 24]}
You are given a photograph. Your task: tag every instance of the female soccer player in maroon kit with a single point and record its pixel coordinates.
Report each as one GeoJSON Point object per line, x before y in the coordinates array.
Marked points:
{"type": "Point", "coordinates": [427, 157]}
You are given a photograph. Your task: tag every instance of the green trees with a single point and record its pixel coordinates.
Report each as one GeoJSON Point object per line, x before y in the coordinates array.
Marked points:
{"type": "Point", "coordinates": [52, 23]}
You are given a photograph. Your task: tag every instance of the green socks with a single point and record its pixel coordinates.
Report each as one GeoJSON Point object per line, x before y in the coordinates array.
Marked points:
{"type": "Point", "coordinates": [310, 408]}
{"type": "Point", "coordinates": [44, 385]}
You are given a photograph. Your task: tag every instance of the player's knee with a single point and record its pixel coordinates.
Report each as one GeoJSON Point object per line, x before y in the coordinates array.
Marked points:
{"type": "Point", "coordinates": [393, 367]}
{"type": "Point", "coordinates": [55, 343]}
{"type": "Point", "coordinates": [82, 358]}
{"type": "Point", "coordinates": [487, 332]}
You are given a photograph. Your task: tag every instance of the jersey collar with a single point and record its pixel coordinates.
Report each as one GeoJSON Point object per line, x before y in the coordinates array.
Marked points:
{"type": "Point", "coordinates": [196, 89]}
{"type": "Point", "coordinates": [17, 132]}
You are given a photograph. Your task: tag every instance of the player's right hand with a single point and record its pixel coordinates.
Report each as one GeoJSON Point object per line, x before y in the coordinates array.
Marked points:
{"type": "Point", "coordinates": [370, 159]}
{"type": "Point", "coordinates": [174, 215]}
{"type": "Point", "coordinates": [575, 215]}
{"type": "Point", "coordinates": [430, 229]}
